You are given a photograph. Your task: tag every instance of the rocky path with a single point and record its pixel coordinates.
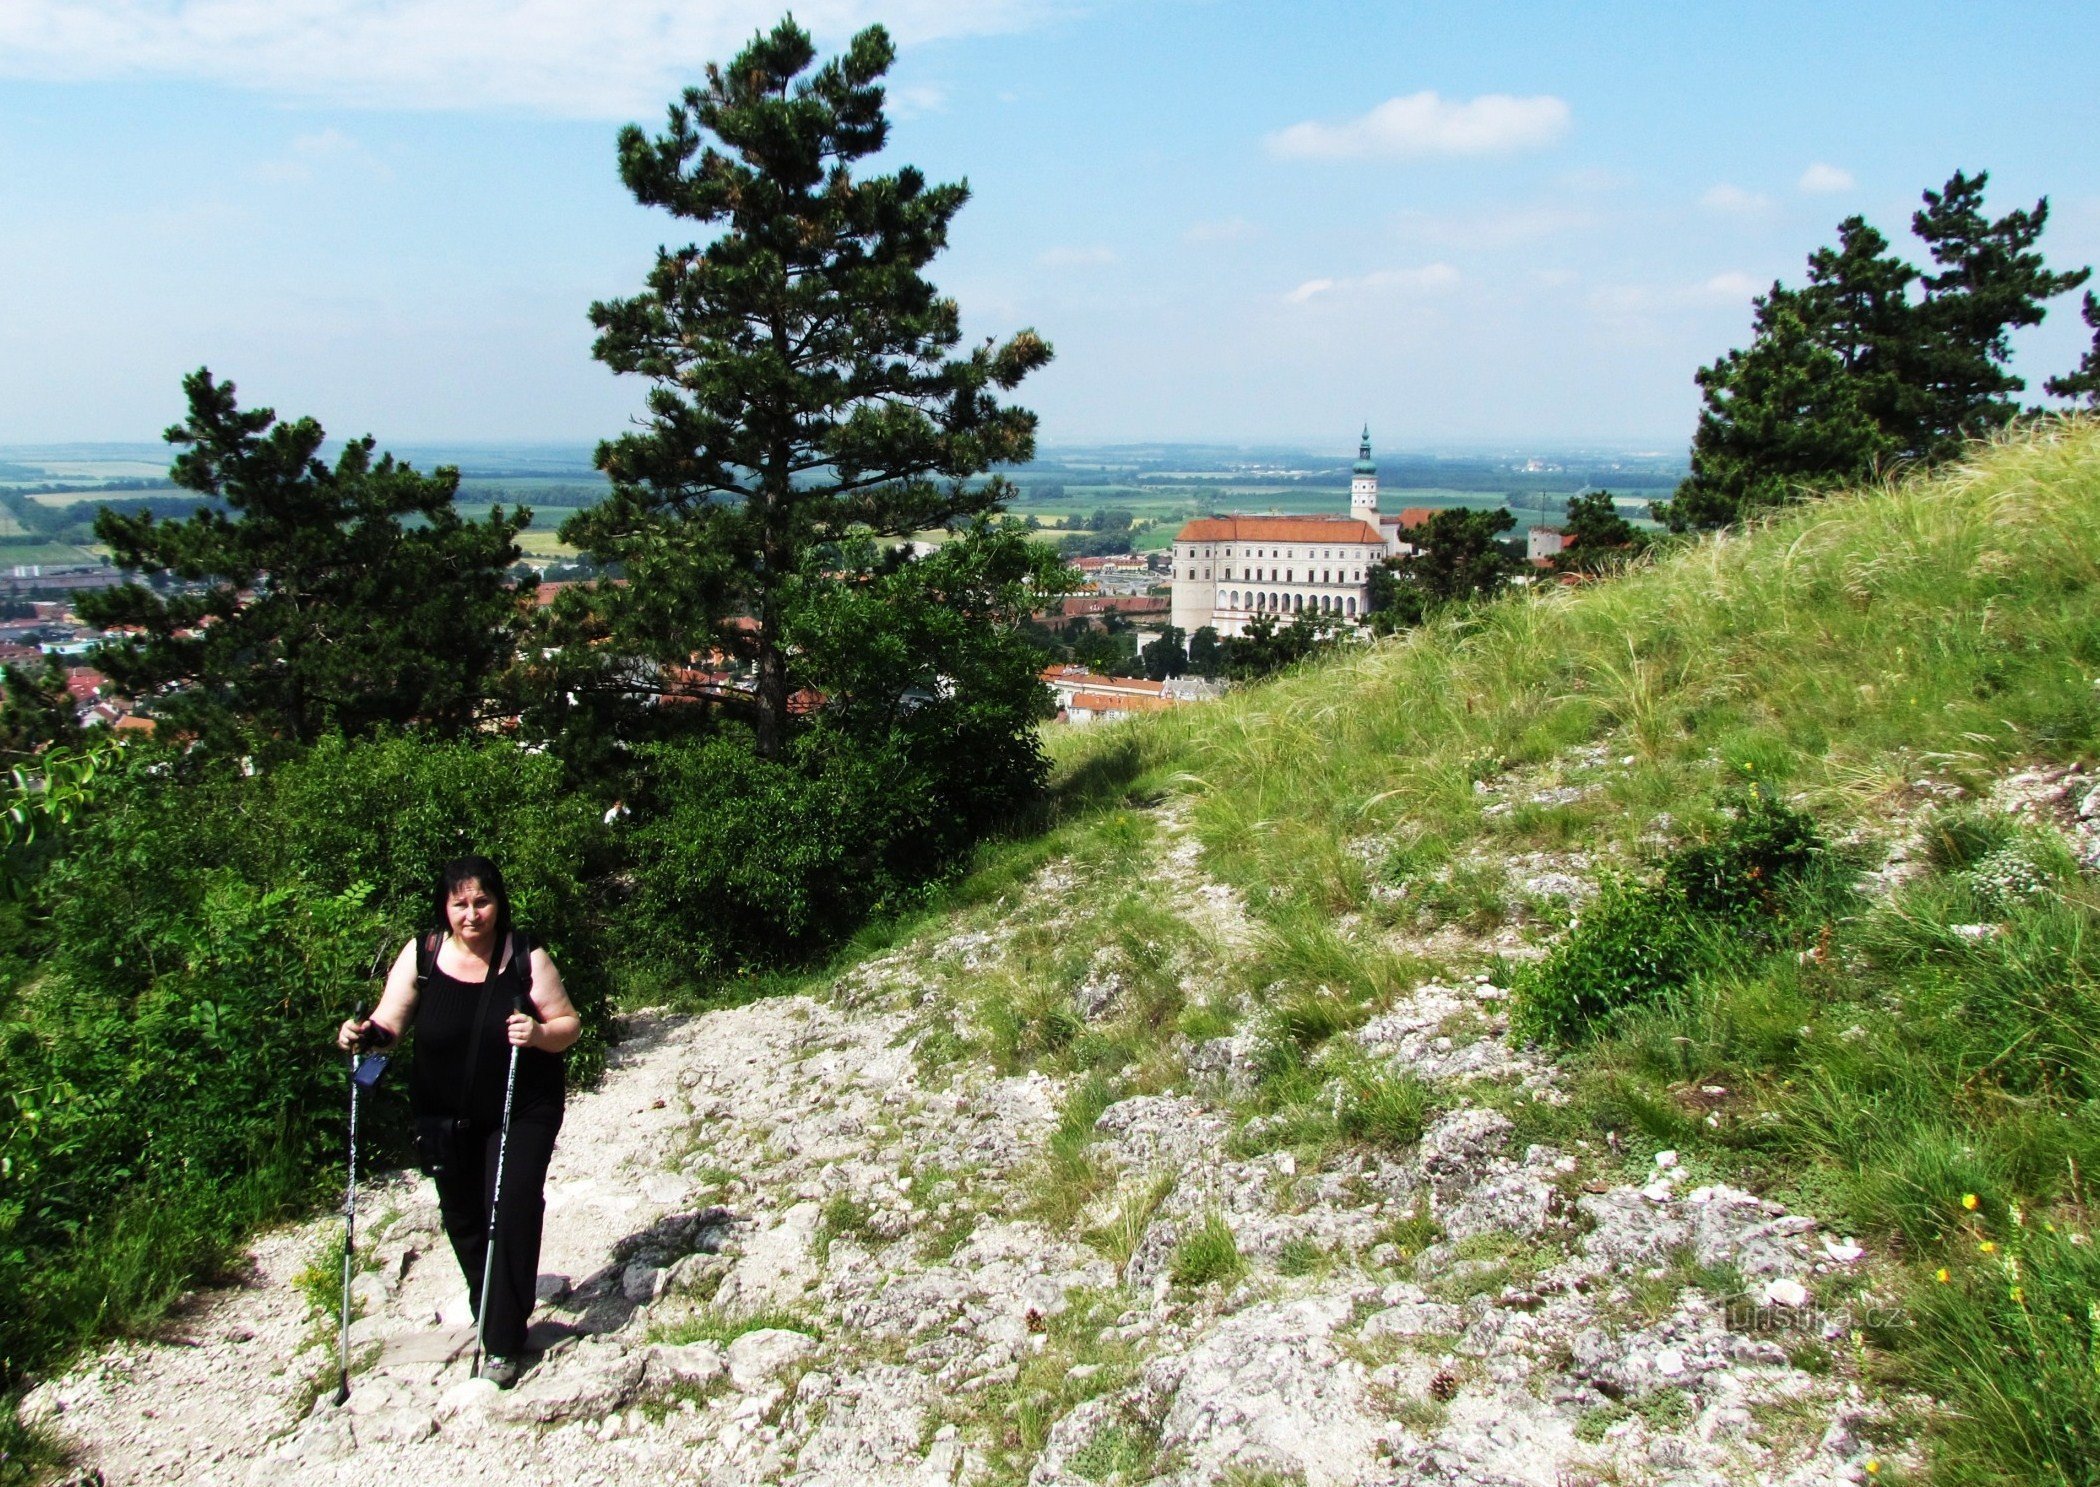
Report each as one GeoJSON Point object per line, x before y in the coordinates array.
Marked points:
{"type": "Point", "coordinates": [783, 1247]}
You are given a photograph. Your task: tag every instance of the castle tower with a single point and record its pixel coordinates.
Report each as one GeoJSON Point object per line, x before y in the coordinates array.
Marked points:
{"type": "Point", "coordinates": [1363, 482]}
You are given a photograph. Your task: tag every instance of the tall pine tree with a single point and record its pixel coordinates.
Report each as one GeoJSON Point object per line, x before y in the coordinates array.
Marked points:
{"type": "Point", "coordinates": [1990, 282]}
{"type": "Point", "coordinates": [2084, 381]}
{"type": "Point", "coordinates": [315, 597]}
{"type": "Point", "coordinates": [805, 390]}
{"type": "Point", "coordinates": [1871, 361]}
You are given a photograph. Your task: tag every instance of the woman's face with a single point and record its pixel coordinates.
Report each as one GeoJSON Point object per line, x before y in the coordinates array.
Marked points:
{"type": "Point", "coordinates": [470, 912]}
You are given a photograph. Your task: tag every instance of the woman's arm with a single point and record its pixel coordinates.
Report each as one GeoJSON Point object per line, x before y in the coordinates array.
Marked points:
{"type": "Point", "coordinates": [559, 1026]}
{"type": "Point", "coordinates": [396, 1009]}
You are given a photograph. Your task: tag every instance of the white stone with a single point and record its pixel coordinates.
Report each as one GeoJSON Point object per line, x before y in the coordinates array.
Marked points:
{"type": "Point", "coordinates": [1786, 1291]}
{"type": "Point", "coordinates": [456, 1310]}
{"type": "Point", "coordinates": [695, 1365]}
{"type": "Point", "coordinates": [469, 1396]}
{"type": "Point", "coordinates": [1669, 1363]}
{"type": "Point", "coordinates": [757, 1357]}
{"type": "Point", "coordinates": [1666, 1160]}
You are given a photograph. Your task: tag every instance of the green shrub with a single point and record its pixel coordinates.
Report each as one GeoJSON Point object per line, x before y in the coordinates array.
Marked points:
{"type": "Point", "coordinates": [162, 1116]}
{"type": "Point", "coordinates": [1207, 1253]}
{"type": "Point", "coordinates": [1638, 943]}
{"type": "Point", "coordinates": [1764, 847]}
{"type": "Point", "coordinates": [1384, 1107]}
{"type": "Point", "coordinates": [1634, 944]}
{"type": "Point", "coordinates": [739, 862]}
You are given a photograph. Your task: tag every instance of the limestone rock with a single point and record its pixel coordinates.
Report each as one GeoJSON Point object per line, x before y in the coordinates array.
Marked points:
{"type": "Point", "coordinates": [757, 1357]}
{"type": "Point", "coordinates": [694, 1365]}
{"type": "Point", "coordinates": [1268, 1389]}
{"type": "Point", "coordinates": [1455, 1152]}
{"type": "Point", "coordinates": [778, 1264]}
{"type": "Point", "coordinates": [588, 1382]}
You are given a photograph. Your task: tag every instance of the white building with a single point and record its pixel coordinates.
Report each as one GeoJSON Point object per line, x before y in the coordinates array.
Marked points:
{"type": "Point", "coordinates": [1228, 569]}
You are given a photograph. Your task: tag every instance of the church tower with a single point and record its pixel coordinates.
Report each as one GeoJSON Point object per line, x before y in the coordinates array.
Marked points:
{"type": "Point", "coordinates": [1363, 482]}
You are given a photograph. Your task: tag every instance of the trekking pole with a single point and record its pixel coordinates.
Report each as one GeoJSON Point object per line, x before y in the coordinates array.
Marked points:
{"type": "Point", "coordinates": [488, 1256]}
{"type": "Point", "coordinates": [342, 1388]}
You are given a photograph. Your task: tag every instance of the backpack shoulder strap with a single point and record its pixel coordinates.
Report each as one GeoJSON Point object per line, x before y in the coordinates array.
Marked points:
{"type": "Point", "coordinates": [426, 957]}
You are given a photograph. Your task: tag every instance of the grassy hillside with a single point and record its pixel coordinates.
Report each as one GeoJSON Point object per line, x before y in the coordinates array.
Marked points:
{"type": "Point", "coordinates": [1904, 1037]}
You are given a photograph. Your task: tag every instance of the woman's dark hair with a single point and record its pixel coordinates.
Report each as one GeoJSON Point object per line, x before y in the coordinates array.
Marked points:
{"type": "Point", "coordinates": [474, 870]}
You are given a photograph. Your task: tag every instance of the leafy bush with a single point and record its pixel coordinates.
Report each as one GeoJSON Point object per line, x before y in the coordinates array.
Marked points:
{"type": "Point", "coordinates": [1635, 943]}
{"type": "Point", "coordinates": [163, 1116]}
{"type": "Point", "coordinates": [1765, 846]}
{"type": "Point", "coordinates": [738, 861]}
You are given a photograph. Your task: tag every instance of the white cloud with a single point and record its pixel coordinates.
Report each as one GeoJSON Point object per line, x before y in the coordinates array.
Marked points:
{"type": "Point", "coordinates": [577, 58]}
{"type": "Point", "coordinates": [1732, 286]}
{"type": "Point", "coordinates": [1076, 257]}
{"type": "Point", "coordinates": [1824, 180]}
{"type": "Point", "coordinates": [1231, 230]}
{"type": "Point", "coordinates": [328, 152]}
{"type": "Point", "coordinates": [1430, 278]}
{"type": "Point", "coordinates": [917, 101]}
{"type": "Point", "coordinates": [1734, 200]}
{"type": "Point", "coordinates": [1428, 124]}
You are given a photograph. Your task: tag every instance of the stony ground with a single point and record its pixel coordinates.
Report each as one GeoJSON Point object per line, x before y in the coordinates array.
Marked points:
{"type": "Point", "coordinates": [785, 1244]}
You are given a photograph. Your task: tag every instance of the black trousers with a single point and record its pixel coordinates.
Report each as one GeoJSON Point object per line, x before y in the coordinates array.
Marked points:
{"type": "Point", "coordinates": [464, 1190]}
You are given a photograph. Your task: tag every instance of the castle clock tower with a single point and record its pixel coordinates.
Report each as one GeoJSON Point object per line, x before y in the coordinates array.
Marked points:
{"type": "Point", "coordinates": [1363, 482]}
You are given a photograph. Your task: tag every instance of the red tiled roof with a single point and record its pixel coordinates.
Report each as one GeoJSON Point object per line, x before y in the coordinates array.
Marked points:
{"type": "Point", "coordinates": [1280, 529]}
{"type": "Point", "coordinates": [1078, 677]}
{"type": "Point", "coordinates": [1079, 605]}
{"type": "Point", "coordinates": [1110, 702]}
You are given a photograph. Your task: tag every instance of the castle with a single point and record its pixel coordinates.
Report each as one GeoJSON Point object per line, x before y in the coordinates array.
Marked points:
{"type": "Point", "coordinates": [1228, 569]}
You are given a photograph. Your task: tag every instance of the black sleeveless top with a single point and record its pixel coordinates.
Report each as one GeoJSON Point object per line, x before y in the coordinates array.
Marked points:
{"type": "Point", "coordinates": [445, 1039]}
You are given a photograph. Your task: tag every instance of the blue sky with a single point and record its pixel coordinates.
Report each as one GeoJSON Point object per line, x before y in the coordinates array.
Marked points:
{"type": "Point", "coordinates": [1517, 225]}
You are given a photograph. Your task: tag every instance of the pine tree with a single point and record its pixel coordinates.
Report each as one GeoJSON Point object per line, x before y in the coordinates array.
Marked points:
{"type": "Point", "coordinates": [1458, 556]}
{"type": "Point", "coordinates": [1872, 361]}
{"type": "Point", "coordinates": [2085, 381]}
{"type": "Point", "coordinates": [1598, 537]}
{"type": "Point", "coordinates": [804, 391]}
{"type": "Point", "coordinates": [36, 711]}
{"type": "Point", "coordinates": [321, 598]}
{"type": "Point", "coordinates": [1990, 282]}
{"type": "Point", "coordinates": [1782, 420]}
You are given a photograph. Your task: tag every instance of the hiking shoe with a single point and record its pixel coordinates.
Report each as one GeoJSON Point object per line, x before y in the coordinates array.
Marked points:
{"type": "Point", "coordinates": [500, 1371]}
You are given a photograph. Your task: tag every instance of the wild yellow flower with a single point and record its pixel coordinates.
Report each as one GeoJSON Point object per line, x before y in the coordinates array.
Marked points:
{"type": "Point", "coordinates": [1873, 1466]}
{"type": "Point", "coordinates": [2018, 1295]}
{"type": "Point", "coordinates": [1968, 1201]}
{"type": "Point", "coordinates": [1941, 1275]}
{"type": "Point", "coordinates": [1988, 1247]}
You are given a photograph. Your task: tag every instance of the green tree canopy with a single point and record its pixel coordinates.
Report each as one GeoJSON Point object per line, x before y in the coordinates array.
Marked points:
{"type": "Point", "coordinates": [321, 598]}
{"type": "Point", "coordinates": [805, 390]}
{"type": "Point", "coordinates": [1206, 654]}
{"type": "Point", "coordinates": [36, 711]}
{"type": "Point", "coordinates": [1457, 555]}
{"type": "Point", "coordinates": [1872, 361]}
{"type": "Point", "coordinates": [2084, 382]}
{"type": "Point", "coordinates": [1167, 657]}
{"type": "Point", "coordinates": [1599, 539]}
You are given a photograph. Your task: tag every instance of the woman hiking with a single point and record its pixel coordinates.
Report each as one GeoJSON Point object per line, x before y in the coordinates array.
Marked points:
{"type": "Point", "coordinates": [466, 986]}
